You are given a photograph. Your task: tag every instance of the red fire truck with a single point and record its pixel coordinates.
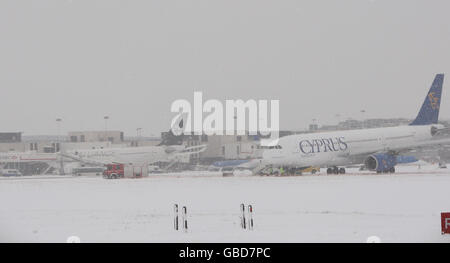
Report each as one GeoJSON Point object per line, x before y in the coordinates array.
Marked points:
{"type": "Point", "coordinates": [120, 170]}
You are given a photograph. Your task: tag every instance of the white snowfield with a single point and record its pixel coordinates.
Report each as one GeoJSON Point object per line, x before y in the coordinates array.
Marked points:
{"type": "Point", "coordinates": [404, 207]}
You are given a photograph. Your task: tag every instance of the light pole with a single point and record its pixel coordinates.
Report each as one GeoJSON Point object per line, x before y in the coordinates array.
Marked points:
{"type": "Point", "coordinates": [362, 121]}
{"type": "Point", "coordinates": [106, 118]}
{"type": "Point", "coordinates": [58, 145]}
{"type": "Point", "coordinates": [58, 140]}
{"type": "Point", "coordinates": [315, 125]}
{"type": "Point", "coordinates": [138, 136]}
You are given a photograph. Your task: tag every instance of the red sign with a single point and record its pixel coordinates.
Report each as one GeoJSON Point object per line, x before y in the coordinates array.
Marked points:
{"type": "Point", "coordinates": [445, 222]}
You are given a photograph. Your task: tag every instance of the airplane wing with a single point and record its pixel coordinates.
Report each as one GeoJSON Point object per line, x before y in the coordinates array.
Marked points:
{"type": "Point", "coordinates": [83, 160]}
{"type": "Point", "coordinates": [359, 158]}
{"type": "Point", "coordinates": [191, 150]}
{"type": "Point", "coordinates": [427, 145]}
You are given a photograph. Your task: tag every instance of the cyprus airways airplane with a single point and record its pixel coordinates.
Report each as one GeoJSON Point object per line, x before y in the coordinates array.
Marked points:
{"type": "Point", "coordinates": [377, 148]}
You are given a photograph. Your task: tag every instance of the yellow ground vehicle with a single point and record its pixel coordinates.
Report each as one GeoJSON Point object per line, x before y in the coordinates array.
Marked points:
{"type": "Point", "coordinates": [311, 169]}
{"type": "Point", "coordinates": [289, 171]}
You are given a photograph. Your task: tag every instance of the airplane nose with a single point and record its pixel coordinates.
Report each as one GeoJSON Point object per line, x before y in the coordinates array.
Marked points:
{"type": "Point", "coordinates": [170, 150]}
{"type": "Point", "coordinates": [266, 155]}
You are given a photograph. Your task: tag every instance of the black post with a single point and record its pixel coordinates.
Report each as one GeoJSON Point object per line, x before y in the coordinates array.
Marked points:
{"type": "Point", "coordinates": [243, 222]}
{"type": "Point", "coordinates": [175, 210]}
{"type": "Point", "coordinates": [250, 212]}
{"type": "Point", "coordinates": [185, 223]}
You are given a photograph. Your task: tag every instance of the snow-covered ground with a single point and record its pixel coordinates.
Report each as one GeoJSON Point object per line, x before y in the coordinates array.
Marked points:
{"type": "Point", "coordinates": [404, 207]}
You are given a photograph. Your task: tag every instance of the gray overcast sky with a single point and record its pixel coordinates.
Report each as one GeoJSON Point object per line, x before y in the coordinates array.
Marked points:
{"type": "Point", "coordinates": [81, 60]}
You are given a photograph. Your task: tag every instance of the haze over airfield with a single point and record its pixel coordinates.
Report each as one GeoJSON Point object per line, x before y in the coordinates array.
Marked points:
{"type": "Point", "coordinates": [82, 60]}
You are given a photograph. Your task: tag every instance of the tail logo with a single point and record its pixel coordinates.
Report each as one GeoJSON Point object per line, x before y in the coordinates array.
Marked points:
{"type": "Point", "coordinates": [434, 101]}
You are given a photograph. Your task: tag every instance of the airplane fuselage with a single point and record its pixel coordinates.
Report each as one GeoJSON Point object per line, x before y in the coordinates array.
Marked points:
{"type": "Point", "coordinates": [337, 148]}
{"type": "Point", "coordinates": [147, 154]}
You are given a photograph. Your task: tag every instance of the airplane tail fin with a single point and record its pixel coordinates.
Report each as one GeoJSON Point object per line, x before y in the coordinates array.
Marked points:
{"type": "Point", "coordinates": [169, 138]}
{"type": "Point", "coordinates": [429, 113]}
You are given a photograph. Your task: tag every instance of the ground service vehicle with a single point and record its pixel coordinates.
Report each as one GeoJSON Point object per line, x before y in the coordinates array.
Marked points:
{"type": "Point", "coordinates": [119, 170]}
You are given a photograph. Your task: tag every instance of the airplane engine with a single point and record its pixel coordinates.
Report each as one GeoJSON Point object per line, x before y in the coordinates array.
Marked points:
{"type": "Point", "coordinates": [170, 150]}
{"type": "Point", "coordinates": [381, 162]}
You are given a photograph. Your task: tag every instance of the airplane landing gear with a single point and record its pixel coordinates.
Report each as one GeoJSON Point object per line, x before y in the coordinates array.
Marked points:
{"type": "Point", "coordinates": [390, 171]}
{"type": "Point", "coordinates": [335, 170]}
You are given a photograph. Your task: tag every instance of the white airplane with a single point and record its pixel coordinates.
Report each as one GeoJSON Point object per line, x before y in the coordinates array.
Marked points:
{"type": "Point", "coordinates": [145, 154]}
{"type": "Point", "coordinates": [169, 150]}
{"type": "Point", "coordinates": [377, 148]}
{"type": "Point", "coordinates": [67, 160]}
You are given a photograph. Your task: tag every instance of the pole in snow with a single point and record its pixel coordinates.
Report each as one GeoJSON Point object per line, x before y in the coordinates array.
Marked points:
{"type": "Point", "coordinates": [175, 210]}
{"type": "Point", "coordinates": [243, 222]}
{"type": "Point", "coordinates": [176, 220]}
{"type": "Point", "coordinates": [250, 213]}
{"type": "Point", "coordinates": [185, 224]}
{"type": "Point", "coordinates": [247, 217]}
